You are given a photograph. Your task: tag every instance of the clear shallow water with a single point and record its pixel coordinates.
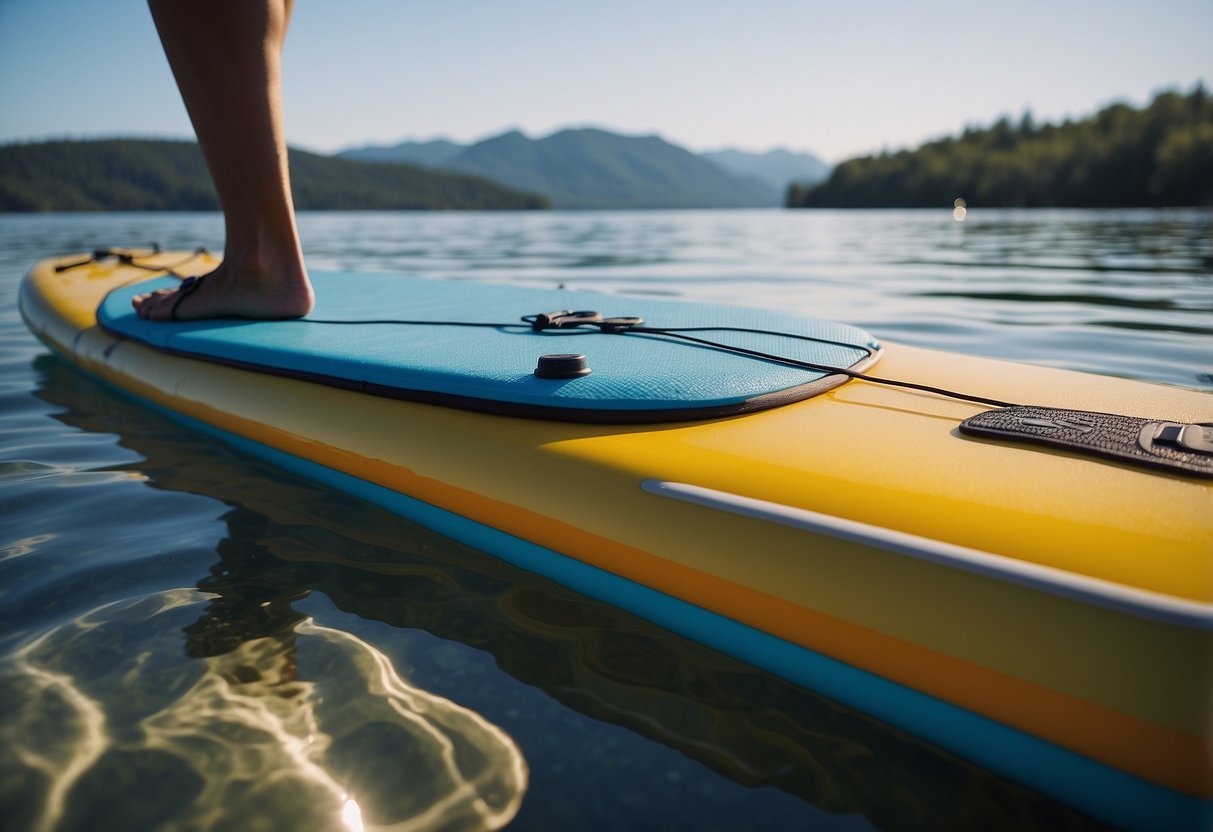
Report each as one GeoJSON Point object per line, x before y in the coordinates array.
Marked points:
{"type": "Point", "coordinates": [178, 622]}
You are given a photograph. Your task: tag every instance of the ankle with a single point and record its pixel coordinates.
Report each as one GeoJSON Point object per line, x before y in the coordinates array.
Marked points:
{"type": "Point", "coordinates": [279, 262]}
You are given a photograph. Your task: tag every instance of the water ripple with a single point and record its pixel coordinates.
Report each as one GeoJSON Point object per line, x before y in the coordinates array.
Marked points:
{"type": "Point", "coordinates": [269, 734]}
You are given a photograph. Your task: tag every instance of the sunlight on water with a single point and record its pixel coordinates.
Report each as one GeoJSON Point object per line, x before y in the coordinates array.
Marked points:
{"type": "Point", "coordinates": [24, 546]}
{"type": "Point", "coordinates": [351, 816]}
{"type": "Point", "coordinates": [272, 734]}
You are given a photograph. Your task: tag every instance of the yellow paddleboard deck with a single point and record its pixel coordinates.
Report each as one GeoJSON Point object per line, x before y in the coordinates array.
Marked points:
{"type": "Point", "coordinates": [1043, 610]}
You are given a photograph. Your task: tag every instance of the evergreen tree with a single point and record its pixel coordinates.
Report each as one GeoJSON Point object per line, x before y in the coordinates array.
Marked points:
{"type": "Point", "coordinates": [1158, 156]}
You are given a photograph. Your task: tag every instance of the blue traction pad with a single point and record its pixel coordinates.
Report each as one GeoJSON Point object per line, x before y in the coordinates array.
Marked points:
{"type": "Point", "coordinates": [645, 375]}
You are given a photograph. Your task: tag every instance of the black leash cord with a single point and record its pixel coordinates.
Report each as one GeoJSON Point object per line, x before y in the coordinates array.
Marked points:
{"type": "Point", "coordinates": [825, 368]}
{"type": "Point", "coordinates": [670, 330]}
{"type": "Point", "coordinates": [680, 333]}
{"type": "Point", "coordinates": [396, 322]}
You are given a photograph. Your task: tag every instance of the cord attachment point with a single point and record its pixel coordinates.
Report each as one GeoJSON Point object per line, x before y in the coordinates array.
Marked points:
{"type": "Point", "coordinates": [1195, 438]}
{"type": "Point", "coordinates": [570, 319]}
{"type": "Point", "coordinates": [561, 319]}
{"type": "Point", "coordinates": [562, 366]}
{"type": "Point", "coordinates": [1156, 443]}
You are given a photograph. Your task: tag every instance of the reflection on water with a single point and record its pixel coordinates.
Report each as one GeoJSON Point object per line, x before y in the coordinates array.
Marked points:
{"type": "Point", "coordinates": [330, 665]}
{"type": "Point", "coordinates": [276, 715]}
{"type": "Point", "coordinates": [302, 728]}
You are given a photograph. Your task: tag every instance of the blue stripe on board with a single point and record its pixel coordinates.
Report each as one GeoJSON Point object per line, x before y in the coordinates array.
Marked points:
{"type": "Point", "coordinates": [1111, 795]}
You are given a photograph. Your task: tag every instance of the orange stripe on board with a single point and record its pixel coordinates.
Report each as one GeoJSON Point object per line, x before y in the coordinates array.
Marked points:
{"type": "Point", "coordinates": [1159, 754]}
{"type": "Point", "coordinates": [1170, 758]}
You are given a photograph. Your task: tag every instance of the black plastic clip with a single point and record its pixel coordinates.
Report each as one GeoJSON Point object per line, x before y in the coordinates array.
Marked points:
{"type": "Point", "coordinates": [616, 325]}
{"type": "Point", "coordinates": [570, 319]}
{"type": "Point", "coordinates": [561, 319]}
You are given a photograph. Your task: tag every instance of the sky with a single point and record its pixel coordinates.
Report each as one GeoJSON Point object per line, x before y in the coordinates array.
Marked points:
{"type": "Point", "coordinates": [837, 79]}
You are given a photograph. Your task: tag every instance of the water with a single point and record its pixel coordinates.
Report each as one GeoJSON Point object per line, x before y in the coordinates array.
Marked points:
{"type": "Point", "coordinates": [192, 639]}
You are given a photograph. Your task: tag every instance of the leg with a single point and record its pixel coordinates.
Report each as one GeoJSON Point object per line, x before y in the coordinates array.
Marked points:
{"type": "Point", "coordinates": [226, 57]}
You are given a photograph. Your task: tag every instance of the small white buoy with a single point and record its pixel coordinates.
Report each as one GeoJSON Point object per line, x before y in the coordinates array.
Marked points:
{"type": "Point", "coordinates": [959, 209]}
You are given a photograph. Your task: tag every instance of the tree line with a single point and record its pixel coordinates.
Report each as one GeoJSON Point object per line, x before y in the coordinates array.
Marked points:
{"type": "Point", "coordinates": [152, 175]}
{"type": "Point", "coordinates": [1121, 157]}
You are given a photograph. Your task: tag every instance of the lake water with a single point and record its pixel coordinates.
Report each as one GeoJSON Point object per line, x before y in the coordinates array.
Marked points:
{"type": "Point", "coordinates": [192, 639]}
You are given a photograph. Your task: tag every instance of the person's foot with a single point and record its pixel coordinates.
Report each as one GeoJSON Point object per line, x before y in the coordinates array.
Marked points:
{"type": "Point", "coordinates": [225, 293]}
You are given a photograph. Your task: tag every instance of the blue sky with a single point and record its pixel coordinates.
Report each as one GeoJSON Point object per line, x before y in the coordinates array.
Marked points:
{"type": "Point", "coordinates": [837, 79]}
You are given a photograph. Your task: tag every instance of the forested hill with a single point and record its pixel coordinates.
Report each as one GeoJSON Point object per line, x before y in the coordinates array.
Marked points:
{"type": "Point", "coordinates": [1159, 156]}
{"type": "Point", "coordinates": [150, 175]}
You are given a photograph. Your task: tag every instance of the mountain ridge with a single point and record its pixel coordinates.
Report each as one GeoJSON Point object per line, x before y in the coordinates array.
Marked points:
{"type": "Point", "coordinates": [170, 175]}
{"type": "Point", "coordinates": [588, 167]}
{"type": "Point", "coordinates": [428, 154]}
{"type": "Point", "coordinates": [779, 168]}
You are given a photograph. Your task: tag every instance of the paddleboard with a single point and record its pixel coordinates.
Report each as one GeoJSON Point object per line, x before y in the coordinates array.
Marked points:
{"type": "Point", "coordinates": [1014, 562]}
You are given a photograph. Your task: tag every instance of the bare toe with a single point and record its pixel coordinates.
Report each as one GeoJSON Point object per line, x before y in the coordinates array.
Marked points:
{"type": "Point", "coordinates": [225, 293]}
{"type": "Point", "coordinates": [162, 304]}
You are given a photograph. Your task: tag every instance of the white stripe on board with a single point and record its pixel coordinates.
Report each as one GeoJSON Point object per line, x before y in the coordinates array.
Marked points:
{"type": "Point", "coordinates": [1144, 603]}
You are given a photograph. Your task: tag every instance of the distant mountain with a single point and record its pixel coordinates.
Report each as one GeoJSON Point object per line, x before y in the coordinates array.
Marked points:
{"type": "Point", "coordinates": [432, 154]}
{"type": "Point", "coordinates": [589, 168]}
{"type": "Point", "coordinates": [777, 168]}
{"type": "Point", "coordinates": [150, 175]}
